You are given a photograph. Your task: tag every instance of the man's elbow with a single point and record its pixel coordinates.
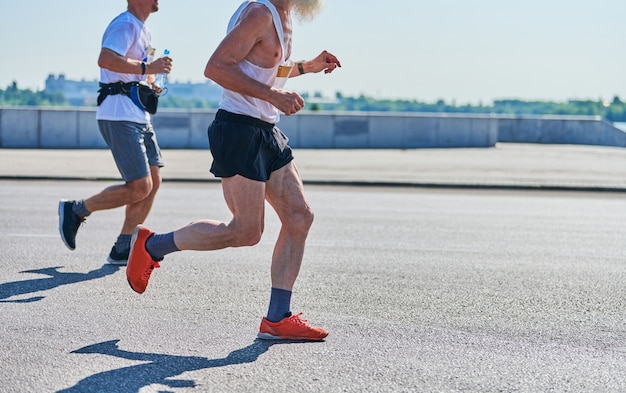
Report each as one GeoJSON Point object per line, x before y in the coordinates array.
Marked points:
{"type": "Point", "coordinates": [106, 58]}
{"type": "Point", "coordinates": [210, 71]}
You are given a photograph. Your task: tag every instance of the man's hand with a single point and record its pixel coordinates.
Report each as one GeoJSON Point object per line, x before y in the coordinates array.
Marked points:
{"type": "Point", "coordinates": [325, 61]}
{"type": "Point", "coordinates": [286, 101]}
{"type": "Point", "coordinates": [162, 64]}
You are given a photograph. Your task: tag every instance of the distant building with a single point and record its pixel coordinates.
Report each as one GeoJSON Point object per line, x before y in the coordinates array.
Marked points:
{"type": "Point", "coordinates": [84, 93]}
{"type": "Point", "coordinates": [77, 93]}
{"type": "Point", "coordinates": [207, 91]}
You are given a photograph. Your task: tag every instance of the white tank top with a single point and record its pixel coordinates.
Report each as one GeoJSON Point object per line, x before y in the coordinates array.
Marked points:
{"type": "Point", "coordinates": [276, 76]}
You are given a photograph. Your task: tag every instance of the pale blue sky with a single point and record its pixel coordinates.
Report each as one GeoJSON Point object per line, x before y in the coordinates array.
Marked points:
{"type": "Point", "coordinates": [461, 51]}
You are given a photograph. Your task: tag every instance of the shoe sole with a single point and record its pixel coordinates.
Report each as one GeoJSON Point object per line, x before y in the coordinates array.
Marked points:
{"type": "Point", "coordinates": [133, 240]}
{"type": "Point", "coordinates": [116, 262]}
{"type": "Point", "coordinates": [267, 336]}
{"type": "Point", "coordinates": [61, 221]}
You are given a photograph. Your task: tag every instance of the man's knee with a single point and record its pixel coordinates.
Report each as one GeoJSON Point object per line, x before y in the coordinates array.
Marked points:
{"type": "Point", "coordinates": [249, 236]}
{"type": "Point", "coordinates": [140, 189]}
{"type": "Point", "coordinates": [156, 181]}
{"type": "Point", "coordinates": [300, 221]}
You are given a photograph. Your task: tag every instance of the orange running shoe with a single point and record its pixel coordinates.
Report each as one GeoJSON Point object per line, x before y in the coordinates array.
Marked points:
{"type": "Point", "coordinates": [290, 328]}
{"type": "Point", "coordinates": [140, 263]}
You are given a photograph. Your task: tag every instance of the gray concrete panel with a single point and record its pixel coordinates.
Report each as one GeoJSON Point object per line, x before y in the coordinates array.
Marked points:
{"type": "Point", "coordinates": [389, 132]}
{"type": "Point", "coordinates": [316, 131]}
{"type": "Point", "coordinates": [421, 132]}
{"type": "Point", "coordinates": [452, 132]}
{"type": "Point", "coordinates": [553, 131]}
{"type": "Point", "coordinates": [59, 129]}
{"type": "Point", "coordinates": [506, 129]}
{"type": "Point", "coordinates": [199, 122]}
{"type": "Point", "coordinates": [20, 128]}
{"type": "Point", "coordinates": [352, 132]}
{"type": "Point", "coordinates": [290, 126]}
{"type": "Point", "coordinates": [612, 136]}
{"type": "Point", "coordinates": [519, 129]}
{"type": "Point", "coordinates": [89, 136]}
{"type": "Point", "coordinates": [174, 129]}
{"type": "Point", "coordinates": [483, 132]}
{"type": "Point", "coordinates": [578, 130]}
{"type": "Point", "coordinates": [589, 134]}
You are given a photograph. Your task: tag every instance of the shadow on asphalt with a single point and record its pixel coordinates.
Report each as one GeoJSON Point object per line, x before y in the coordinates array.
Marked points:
{"type": "Point", "coordinates": [160, 369]}
{"type": "Point", "coordinates": [55, 279]}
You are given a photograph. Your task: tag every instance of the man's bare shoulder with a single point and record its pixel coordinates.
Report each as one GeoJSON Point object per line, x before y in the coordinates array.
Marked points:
{"type": "Point", "coordinates": [257, 14]}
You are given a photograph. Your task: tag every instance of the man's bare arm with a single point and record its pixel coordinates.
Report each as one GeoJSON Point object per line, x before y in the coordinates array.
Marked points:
{"type": "Point", "coordinates": [115, 62]}
{"type": "Point", "coordinates": [325, 61]}
{"type": "Point", "coordinates": [223, 66]}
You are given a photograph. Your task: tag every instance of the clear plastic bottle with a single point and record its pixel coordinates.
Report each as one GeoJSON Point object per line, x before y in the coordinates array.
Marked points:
{"type": "Point", "coordinates": [161, 79]}
{"type": "Point", "coordinates": [150, 54]}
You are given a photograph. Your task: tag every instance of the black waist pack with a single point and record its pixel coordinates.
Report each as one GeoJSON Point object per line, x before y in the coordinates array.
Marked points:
{"type": "Point", "coordinates": [140, 93]}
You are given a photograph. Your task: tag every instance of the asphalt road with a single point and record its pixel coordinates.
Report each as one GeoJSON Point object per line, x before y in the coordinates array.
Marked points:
{"type": "Point", "coordinates": [422, 290]}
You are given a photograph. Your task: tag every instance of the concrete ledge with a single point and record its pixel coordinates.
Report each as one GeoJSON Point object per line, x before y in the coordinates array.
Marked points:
{"type": "Point", "coordinates": [506, 166]}
{"type": "Point", "coordinates": [76, 128]}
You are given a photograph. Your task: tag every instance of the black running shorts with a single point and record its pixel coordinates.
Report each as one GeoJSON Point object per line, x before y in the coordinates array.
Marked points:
{"type": "Point", "coordinates": [246, 146]}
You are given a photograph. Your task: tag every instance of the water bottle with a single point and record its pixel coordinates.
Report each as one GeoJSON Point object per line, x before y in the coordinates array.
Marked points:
{"type": "Point", "coordinates": [161, 79]}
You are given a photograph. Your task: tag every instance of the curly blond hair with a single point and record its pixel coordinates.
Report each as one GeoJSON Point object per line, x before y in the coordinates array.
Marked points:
{"type": "Point", "coordinates": [306, 10]}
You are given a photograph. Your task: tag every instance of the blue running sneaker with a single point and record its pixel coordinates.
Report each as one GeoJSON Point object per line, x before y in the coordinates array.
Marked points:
{"type": "Point", "coordinates": [118, 258]}
{"type": "Point", "coordinates": [68, 223]}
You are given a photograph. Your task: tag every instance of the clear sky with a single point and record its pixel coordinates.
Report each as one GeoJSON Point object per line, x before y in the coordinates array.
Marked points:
{"type": "Point", "coordinates": [455, 50]}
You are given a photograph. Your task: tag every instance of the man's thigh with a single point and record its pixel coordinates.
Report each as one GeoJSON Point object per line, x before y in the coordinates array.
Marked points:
{"type": "Point", "coordinates": [245, 198]}
{"type": "Point", "coordinates": [285, 191]}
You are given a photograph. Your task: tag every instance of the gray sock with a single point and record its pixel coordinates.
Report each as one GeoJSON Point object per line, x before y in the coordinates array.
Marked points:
{"type": "Point", "coordinates": [122, 243]}
{"type": "Point", "coordinates": [79, 209]}
{"type": "Point", "coordinates": [159, 245]}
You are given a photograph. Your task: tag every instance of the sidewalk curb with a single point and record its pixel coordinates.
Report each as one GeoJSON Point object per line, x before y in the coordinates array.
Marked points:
{"type": "Point", "coordinates": [351, 183]}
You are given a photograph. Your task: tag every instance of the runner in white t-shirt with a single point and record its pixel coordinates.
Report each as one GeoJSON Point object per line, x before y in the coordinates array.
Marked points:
{"type": "Point", "coordinates": [125, 57]}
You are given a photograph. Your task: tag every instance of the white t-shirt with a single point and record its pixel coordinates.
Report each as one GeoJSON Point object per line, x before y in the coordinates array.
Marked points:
{"type": "Point", "coordinates": [128, 36]}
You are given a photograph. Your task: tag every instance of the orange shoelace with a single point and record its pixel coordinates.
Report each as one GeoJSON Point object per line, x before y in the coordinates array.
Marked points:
{"type": "Point", "coordinates": [146, 273]}
{"type": "Point", "coordinates": [297, 320]}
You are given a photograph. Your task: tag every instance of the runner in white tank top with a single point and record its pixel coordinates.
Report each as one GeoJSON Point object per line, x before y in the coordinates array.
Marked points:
{"type": "Point", "coordinates": [276, 76]}
{"type": "Point", "coordinates": [253, 160]}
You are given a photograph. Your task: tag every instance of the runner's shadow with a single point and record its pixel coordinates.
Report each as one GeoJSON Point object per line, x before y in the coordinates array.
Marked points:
{"type": "Point", "coordinates": [160, 369]}
{"type": "Point", "coordinates": [55, 279]}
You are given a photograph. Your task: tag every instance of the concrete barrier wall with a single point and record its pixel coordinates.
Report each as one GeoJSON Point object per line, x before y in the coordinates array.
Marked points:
{"type": "Point", "coordinates": [68, 128]}
{"type": "Point", "coordinates": [578, 130]}
{"type": "Point", "coordinates": [349, 130]}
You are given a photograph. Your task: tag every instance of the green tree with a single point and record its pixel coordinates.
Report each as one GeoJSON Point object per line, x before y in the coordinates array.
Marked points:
{"type": "Point", "coordinates": [15, 96]}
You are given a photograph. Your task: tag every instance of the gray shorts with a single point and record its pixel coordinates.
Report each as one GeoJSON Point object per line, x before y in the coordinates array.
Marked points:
{"type": "Point", "coordinates": [134, 147]}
